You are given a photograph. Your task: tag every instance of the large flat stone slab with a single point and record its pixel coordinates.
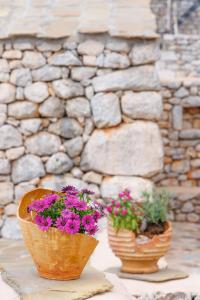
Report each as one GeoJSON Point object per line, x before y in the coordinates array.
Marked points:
{"type": "Point", "coordinates": [19, 272]}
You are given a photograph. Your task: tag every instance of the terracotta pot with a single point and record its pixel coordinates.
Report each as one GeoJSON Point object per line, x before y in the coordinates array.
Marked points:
{"type": "Point", "coordinates": [57, 255]}
{"type": "Point", "coordinates": [139, 259]}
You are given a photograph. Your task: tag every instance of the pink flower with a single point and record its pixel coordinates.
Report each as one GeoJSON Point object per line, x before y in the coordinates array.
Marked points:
{"type": "Point", "coordinates": [109, 209]}
{"type": "Point", "coordinates": [125, 195]}
{"type": "Point", "coordinates": [87, 221]}
{"type": "Point", "coordinates": [50, 198]}
{"type": "Point", "coordinates": [72, 226]}
{"type": "Point", "coordinates": [124, 212]}
{"type": "Point", "coordinates": [66, 213]}
{"type": "Point", "coordinates": [39, 205]}
{"type": "Point", "coordinates": [92, 230]}
{"type": "Point", "coordinates": [116, 212]}
{"type": "Point", "coordinates": [81, 205]}
{"type": "Point", "coordinates": [96, 215]}
{"type": "Point", "coordinates": [61, 223]}
{"type": "Point", "coordinates": [118, 204]}
{"type": "Point", "coordinates": [43, 223]}
{"type": "Point", "coordinates": [71, 201]}
{"type": "Point", "coordinates": [113, 202]}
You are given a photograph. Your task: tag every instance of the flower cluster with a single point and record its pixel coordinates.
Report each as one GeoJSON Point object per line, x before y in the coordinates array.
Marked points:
{"type": "Point", "coordinates": [124, 212]}
{"type": "Point", "coordinates": [69, 211]}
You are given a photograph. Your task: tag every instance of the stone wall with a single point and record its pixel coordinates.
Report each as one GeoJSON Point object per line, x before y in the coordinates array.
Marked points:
{"type": "Point", "coordinates": [180, 128]}
{"type": "Point", "coordinates": [180, 56]}
{"type": "Point", "coordinates": [79, 111]}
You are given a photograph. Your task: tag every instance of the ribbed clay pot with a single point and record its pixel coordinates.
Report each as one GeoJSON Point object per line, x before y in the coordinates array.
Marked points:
{"type": "Point", "coordinates": [139, 259]}
{"type": "Point", "coordinates": [56, 255]}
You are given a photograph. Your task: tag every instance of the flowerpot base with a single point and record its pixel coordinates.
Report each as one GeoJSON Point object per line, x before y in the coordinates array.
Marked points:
{"type": "Point", "coordinates": [61, 277]}
{"type": "Point", "coordinates": [139, 266]}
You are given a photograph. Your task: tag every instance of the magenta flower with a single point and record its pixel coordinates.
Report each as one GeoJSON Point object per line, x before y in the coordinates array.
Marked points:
{"type": "Point", "coordinates": [92, 230]}
{"type": "Point", "coordinates": [81, 205]}
{"type": "Point", "coordinates": [109, 209]}
{"type": "Point", "coordinates": [88, 221]}
{"type": "Point", "coordinates": [66, 213]}
{"type": "Point", "coordinates": [61, 223]}
{"type": "Point", "coordinates": [126, 195]}
{"type": "Point", "coordinates": [116, 212]}
{"type": "Point", "coordinates": [113, 202]}
{"type": "Point", "coordinates": [43, 223]}
{"type": "Point", "coordinates": [118, 204]}
{"type": "Point", "coordinates": [72, 226]}
{"type": "Point", "coordinates": [124, 211]}
{"type": "Point", "coordinates": [39, 205]}
{"type": "Point", "coordinates": [70, 190]}
{"type": "Point", "coordinates": [96, 215]}
{"type": "Point", "coordinates": [71, 201]}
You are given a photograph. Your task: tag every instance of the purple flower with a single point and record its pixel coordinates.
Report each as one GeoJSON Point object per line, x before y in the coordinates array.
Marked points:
{"type": "Point", "coordinates": [71, 201]}
{"type": "Point", "coordinates": [86, 191]}
{"type": "Point", "coordinates": [126, 195]}
{"type": "Point", "coordinates": [70, 190]}
{"type": "Point", "coordinates": [61, 223]}
{"type": "Point", "coordinates": [96, 216]}
{"type": "Point", "coordinates": [43, 223]}
{"type": "Point", "coordinates": [39, 205]}
{"type": "Point", "coordinates": [81, 205]}
{"type": "Point", "coordinates": [66, 213]}
{"type": "Point", "coordinates": [88, 221]}
{"type": "Point", "coordinates": [92, 230]}
{"type": "Point", "coordinates": [72, 226]}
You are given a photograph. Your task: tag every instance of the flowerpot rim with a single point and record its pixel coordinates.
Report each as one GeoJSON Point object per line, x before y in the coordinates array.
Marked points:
{"type": "Point", "coordinates": [51, 229]}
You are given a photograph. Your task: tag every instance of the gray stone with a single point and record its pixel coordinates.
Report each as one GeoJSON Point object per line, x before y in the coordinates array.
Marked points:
{"type": "Point", "coordinates": [82, 73]}
{"type": "Point", "coordinates": [4, 77]}
{"type": "Point", "coordinates": [112, 186]}
{"type": "Point", "coordinates": [30, 126]}
{"type": "Point", "coordinates": [181, 92]}
{"type": "Point", "coordinates": [90, 47]}
{"type": "Point", "coordinates": [187, 207]}
{"type": "Point", "coordinates": [195, 163]}
{"type": "Point", "coordinates": [36, 92]}
{"type": "Point", "coordinates": [130, 145]}
{"type": "Point", "coordinates": [193, 218]}
{"type": "Point", "coordinates": [6, 193]}
{"type": "Point", "coordinates": [74, 146]}
{"type": "Point", "coordinates": [20, 93]}
{"type": "Point", "coordinates": [22, 110]}
{"type": "Point", "coordinates": [89, 127]}
{"type": "Point", "coordinates": [138, 79]}
{"type": "Point", "coordinates": [4, 66]}
{"type": "Point", "coordinates": [10, 209]}
{"type": "Point", "coordinates": [177, 117]}
{"type": "Point", "coordinates": [195, 174]}
{"type": "Point", "coordinates": [116, 61]}
{"type": "Point", "coordinates": [33, 60]}
{"type": "Point", "coordinates": [43, 143]}
{"type": "Point", "coordinates": [64, 59]}
{"type": "Point", "coordinates": [11, 229]}
{"type": "Point", "coordinates": [89, 92]}
{"type": "Point", "coordinates": [12, 54]}
{"type": "Point", "coordinates": [67, 128]}
{"type": "Point", "coordinates": [78, 107]}
{"type": "Point", "coordinates": [106, 110]}
{"type": "Point", "coordinates": [67, 88]}
{"type": "Point", "coordinates": [21, 77]}
{"type": "Point", "coordinates": [47, 73]}
{"type": "Point", "coordinates": [3, 118]}
{"type": "Point", "coordinates": [15, 153]}
{"type": "Point", "coordinates": [21, 189]}
{"type": "Point", "coordinates": [191, 101]}
{"type": "Point", "coordinates": [4, 166]}
{"type": "Point", "coordinates": [26, 168]}
{"type": "Point", "coordinates": [190, 134]}
{"type": "Point", "coordinates": [23, 44]}
{"type": "Point", "coordinates": [144, 52]}
{"type": "Point", "coordinates": [45, 45]}
{"type": "Point", "coordinates": [76, 172]}
{"type": "Point", "coordinates": [59, 163]}
{"type": "Point", "coordinates": [92, 177]}
{"type": "Point", "coordinates": [52, 107]}
{"type": "Point", "coordinates": [10, 137]}
{"type": "Point", "coordinates": [118, 45]}
{"type": "Point", "coordinates": [7, 93]}
{"type": "Point", "coordinates": [144, 105]}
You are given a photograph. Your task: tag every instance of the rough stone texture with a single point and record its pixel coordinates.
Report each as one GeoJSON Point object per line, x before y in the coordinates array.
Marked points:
{"type": "Point", "coordinates": [23, 109]}
{"type": "Point", "coordinates": [30, 126]}
{"type": "Point", "coordinates": [144, 105]}
{"type": "Point", "coordinates": [67, 89]}
{"type": "Point", "coordinates": [52, 107]}
{"type": "Point", "coordinates": [67, 128]}
{"type": "Point", "coordinates": [112, 186]}
{"type": "Point", "coordinates": [92, 177]}
{"type": "Point", "coordinates": [5, 167]}
{"type": "Point", "coordinates": [36, 92]}
{"type": "Point", "coordinates": [21, 77]}
{"type": "Point", "coordinates": [33, 60]}
{"type": "Point", "coordinates": [78, 107]}
{"type": "Point", "coordinates": [127, 141]}
{"type": "Point", "coordinates": [177, 117]}
{"type": "Point", "coordinates": [74, 146]}
{"type": "Point", "coordinates": [6, 193]}
{"type": "Point", "coordinates": [106, 110]}
{"type": "Point", "coordinates": [22, 188]}
{"type": "Point", "coordinates": [144, 52]}
{"type": "Point", "coordinates": [64, 59]}
{"type": "Point", "coordinates": [11, 229]}
{"type": "Point", "coordinates": [137, 79]}
{"type": "Point", "coordinates": [82, 73]}
{"type": "Point", "coordinates": [116, 61]}
{"type": "Point", "coordinates": [43, 143]}
{"type": "Point", "coordinates": [15, 153]}
{"type": "Point", "coordinates": [90, 47]}
{"type": "Point", "coordinates": [59, 163]}
{"type": "Point", "coordinates": [10, 137]}
{"type": "Point", "coordinates": [34, 168]}
{"type": "Point", "coordinates": [47, 73]}
{"type": "Point", "coordinates": [7, 93]}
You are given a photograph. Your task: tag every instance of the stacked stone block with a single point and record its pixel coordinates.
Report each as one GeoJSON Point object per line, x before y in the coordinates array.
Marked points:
{"type": "Point", "coordinates": [79, 111]}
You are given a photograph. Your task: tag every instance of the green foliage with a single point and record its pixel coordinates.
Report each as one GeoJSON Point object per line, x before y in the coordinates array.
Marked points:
{"type": "Point", "coordinates": [155, 207]}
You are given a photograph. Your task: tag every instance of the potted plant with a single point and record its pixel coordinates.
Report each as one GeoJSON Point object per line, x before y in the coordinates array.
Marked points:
{"type": "Point", "coordinates": [139, 232]}
{"type": "Point", "coordinates": [58, 230]}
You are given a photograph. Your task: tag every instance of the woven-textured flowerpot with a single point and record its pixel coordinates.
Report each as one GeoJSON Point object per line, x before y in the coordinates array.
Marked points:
{"type": "Point", "coordinates": [57, 255]}
{"type": "Point", "coordinates": [139, 259]}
